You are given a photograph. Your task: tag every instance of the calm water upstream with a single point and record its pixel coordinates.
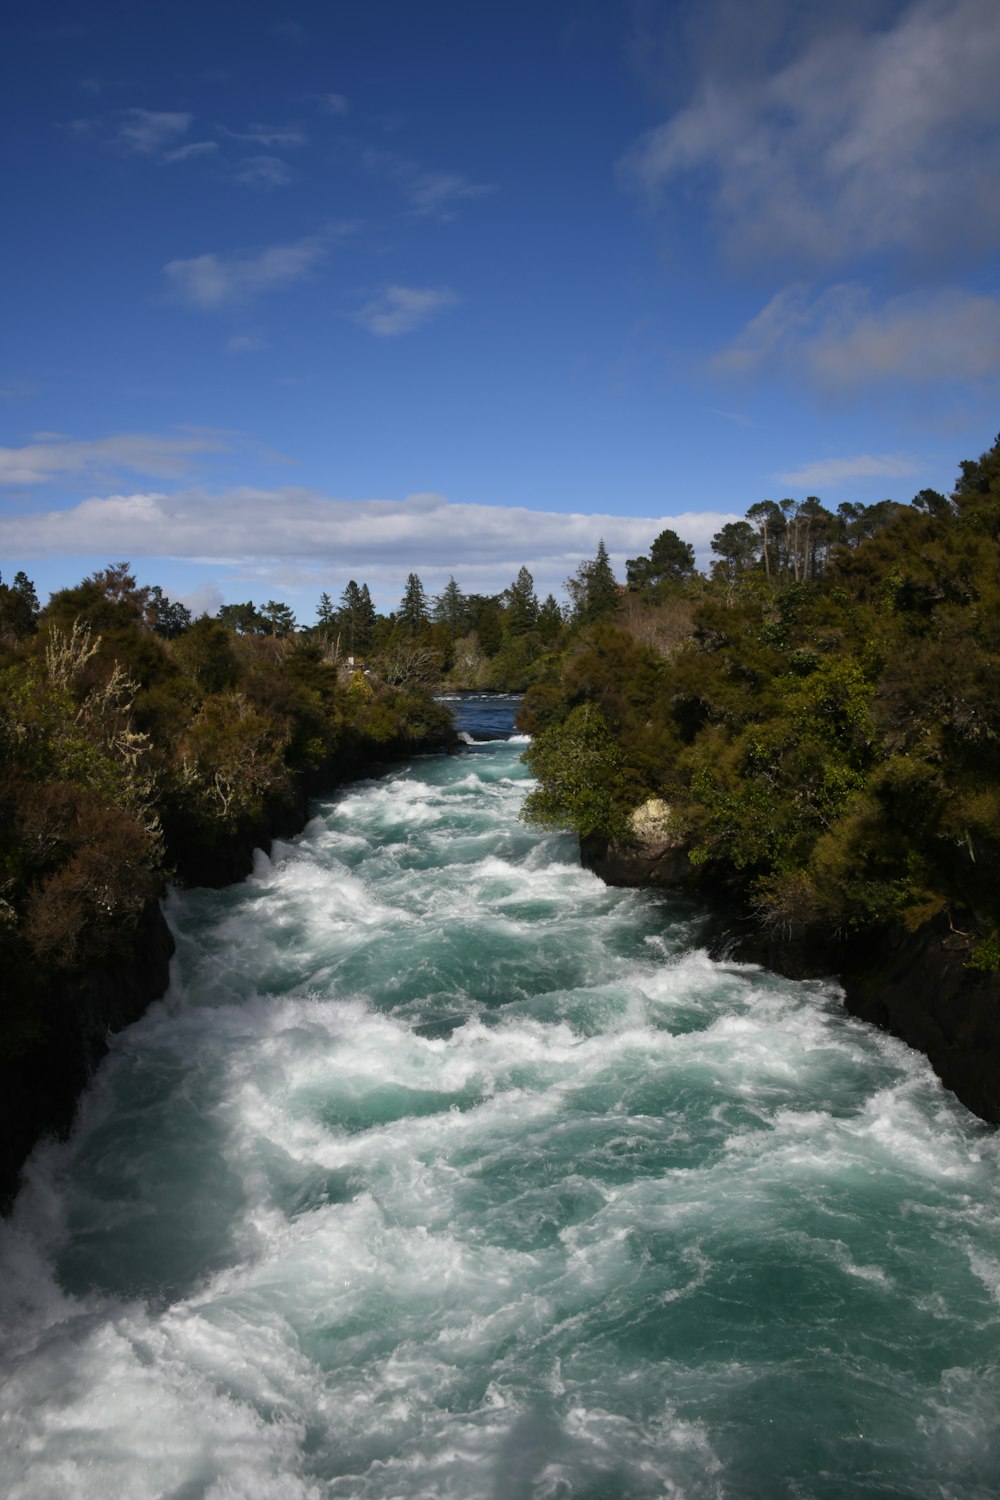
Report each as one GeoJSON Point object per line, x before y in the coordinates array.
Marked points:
{"type": "Point", "coordinates": [445, 1171]}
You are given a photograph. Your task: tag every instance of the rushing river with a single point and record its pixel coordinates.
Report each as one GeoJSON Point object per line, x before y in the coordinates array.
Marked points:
{"type": "Point", "coordinates": [445, 1171]}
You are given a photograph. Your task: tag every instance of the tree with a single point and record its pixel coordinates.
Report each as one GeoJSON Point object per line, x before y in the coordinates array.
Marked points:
{"type": "Point", "coordinates": [550, 619]}
{"type": "Point", "coordinates": [164, 616]}
{"type": "Point", "coordinates": [412, 615]}
{"type": "Point", "coordinates": [356, 618]}
{"type": "Point", "coordinates": [117, 583]}
{"type": "Point", "coordinates": [325, 611]}
{"type": "Point", "coordinates": [670, 561]}
{"type": "Point", "coordinates": [522, 605]}
{"type": "Point", "coordinates": [578, 763]}
{"type": "Point", "coordinates": [592, 590]}
{"type": "Point", "coordinates": [244, 619]}
{"type": "Point", "coordinates": [771, 523]}
{"type": "Point", "coordinates": [279, 617]}
{"type": "Point", "coordinates": [736, 545]}
{"type": "Point", "coordinates": [18, 608]}
{"type": "Point", "coordinates": [451, 609]}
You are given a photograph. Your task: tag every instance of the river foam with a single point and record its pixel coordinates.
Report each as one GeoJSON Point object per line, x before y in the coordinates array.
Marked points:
{"type": "Point", "coordinates": [445, 1170]}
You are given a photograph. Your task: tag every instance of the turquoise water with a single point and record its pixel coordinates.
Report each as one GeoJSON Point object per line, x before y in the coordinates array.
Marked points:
{"type": "Point", "coordinates": [445, 1171]}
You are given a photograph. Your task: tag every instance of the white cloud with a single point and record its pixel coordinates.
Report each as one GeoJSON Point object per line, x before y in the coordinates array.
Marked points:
{"type": "Point", "coordinates": [245, 343]}
{"type": "Point", "coordinates": [829, 473]}
{"type": "Point", "coordinates": [430, 193]}
{"type": "Point", "coordinates": [841, 340]}
{"type": "Point", "coordinates": [483, 545]}
{"type": "Point", "coordinates": [149, 131]}
{"type": "Point", "coordinates": [401, 309]}
{"type": "Point", "coordinates": [842, 139]}
{"type": "Point", "coordinates": [164, 457]}
{"type": "Point", "coordinates": [335, 104]}
{"type": "Point", "coordinates": [264, 172]}
{"type": "Point", "coordinates": [269, 135]}
{"type": "Point", "coordinates": [213, 281]}
{"type": "Point", "coordinates": [195, 149]}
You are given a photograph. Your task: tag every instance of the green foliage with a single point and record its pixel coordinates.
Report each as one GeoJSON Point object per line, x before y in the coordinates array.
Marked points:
{"type": "Point", "coordinates": [828, 725]}
{"type": "Point", "coordinates": [579, 768]}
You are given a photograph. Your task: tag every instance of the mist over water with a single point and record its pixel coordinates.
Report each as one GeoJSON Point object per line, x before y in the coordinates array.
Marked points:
{"type": "Point", "coordinates": [444, 1170]}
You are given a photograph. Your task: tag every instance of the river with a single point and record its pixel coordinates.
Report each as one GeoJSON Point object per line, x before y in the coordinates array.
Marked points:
{"type": "Point", "coordinates": [443, 1170]}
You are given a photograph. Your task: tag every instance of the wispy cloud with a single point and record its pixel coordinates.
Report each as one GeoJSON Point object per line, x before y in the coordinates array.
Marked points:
{"type": "Point", "coordinates": [161, 457]}
{"type": "Point", "coordinates": [148, 131]}
{"type": "Point", "coordinates": [283, 136]}
{"type": "Point", "coordinates": [190, 152]}
{"type": "Point", "coordinates": [831, 473]}
{"type": "Point", "coordinates": [334, 104]}
{"type": "Point", "coordinates": [429, 193]}
{"type": "Point", "coordinates": [401, 309]}
{"type": "Point", "coordinates": [245, 343]}
{"type": "Point", "coordinates": [826, 138]}
{"type": "Point", "coordinates": [214, 281]}
{"type": "Point", "coordinates": [841, 339]}
{"type": "Point", "coordinates": [264, 172]}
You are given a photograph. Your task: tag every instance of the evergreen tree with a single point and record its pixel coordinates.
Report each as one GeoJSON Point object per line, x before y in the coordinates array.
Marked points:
{"type": "Point", "coordinates": [451, 609]}
{"type": "Point", "coordinates": [279, 617]}
{"type": "Point", "coordinates": [244, 619]}
{"type": "Point", "coordinates": [670, 561]}
{"type": "Point", "coordinates": [550, 619]}
{"type": "Point", "coordinates": [593, 590]}
{"type": "Point", "coordinates": [326, 614]}
{"type": "Point", "coordinates": [166, 617]}
{"type": "Point", "coordinates": [412, 615]}
{"type": "Point", "coordinates": [522, 605]}
{"type": "Point", "coordinates": [356, 618]}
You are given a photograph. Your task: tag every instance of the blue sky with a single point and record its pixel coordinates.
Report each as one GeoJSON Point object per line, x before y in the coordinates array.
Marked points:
{"type": "Point", "coordinates": [294, 295]}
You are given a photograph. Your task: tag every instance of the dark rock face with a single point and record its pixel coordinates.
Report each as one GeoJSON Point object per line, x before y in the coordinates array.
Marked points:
{"type": "Point", "coordinates": [39, 1091]}
{"type": "Point", "coordinates": [915, 985]}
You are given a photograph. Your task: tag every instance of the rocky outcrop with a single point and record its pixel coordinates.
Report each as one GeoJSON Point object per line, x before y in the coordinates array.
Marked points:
{"type": "Point", "coordinates": [656, 851]}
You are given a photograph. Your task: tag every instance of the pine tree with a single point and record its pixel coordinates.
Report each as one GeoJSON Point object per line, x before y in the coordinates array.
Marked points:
{"type": "Point", "coordinates": [593, 590]}
{"type": "Point", "coordinates": [451, 609]}
{"type": "Point", "coordinates": [522, 605]}
{"type": "Point", "coordinates": [412, 615]}
{"type": "Point", "coordinates": [356, 618]}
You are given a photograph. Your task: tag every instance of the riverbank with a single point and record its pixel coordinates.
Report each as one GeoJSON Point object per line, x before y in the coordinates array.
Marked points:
{"type": "Point", "coordinates": [917, 985]}
{"type": "Point", "coordinates": [41, 1085]}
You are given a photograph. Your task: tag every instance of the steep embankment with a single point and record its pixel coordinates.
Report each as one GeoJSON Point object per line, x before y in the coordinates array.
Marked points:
{"type": "Point", "coordinates": [41, 1085]}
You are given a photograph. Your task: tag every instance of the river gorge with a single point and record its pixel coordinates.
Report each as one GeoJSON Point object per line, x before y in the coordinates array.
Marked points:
{"type": "Point", "coordinates": [445, 1170]}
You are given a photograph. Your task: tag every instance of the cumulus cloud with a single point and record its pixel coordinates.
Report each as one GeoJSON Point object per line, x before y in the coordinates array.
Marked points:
{"type": "Point", "coordinates": [840, 339]}
{"type": "Point", "coordinates": [857, 136]}
{"type": "Point", "coordinates": [829, 473]}
{"type": "Point", "coordinates": [55, 456]}
{"type": "Point", "coordinates": [401, 309]}
{"type": "Point", "coordinates": [214, 281]}
{"type": "Point", "coordinates": [483, 545]}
